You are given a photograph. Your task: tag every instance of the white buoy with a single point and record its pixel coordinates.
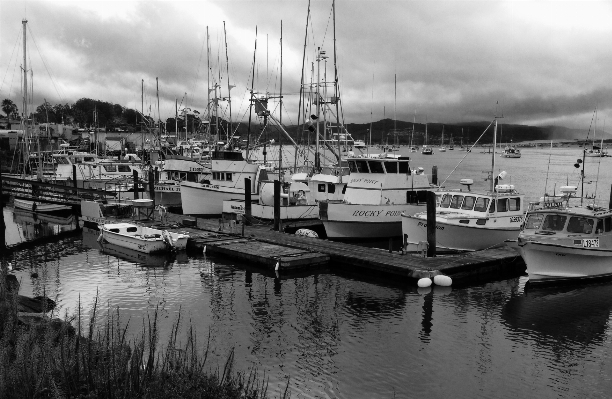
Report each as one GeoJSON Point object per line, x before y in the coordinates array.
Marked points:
{"type": "Point", "coordinates": [10, 266]}
{"type": "Point", "coordinates": [442, 280]}
{"type": "Point", "coordinates": [277, 266]}
{"type": "Point", "coordinates": [424, 282]}
{"type": "Point", "coordinates": [204, 250]}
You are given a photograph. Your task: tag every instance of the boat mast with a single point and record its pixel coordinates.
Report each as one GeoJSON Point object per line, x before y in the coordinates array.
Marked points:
{"type": "Point", "coordinates": [493, 157]}
{"type": "Point", "coordinates": [318, 103]}
{"type": "Point", "coordinates": [280, 143]}
{"type": "Point", "coordinates": [371, 110]}
{"type": "Point", "coordinates": [208, 85]}
{"type": "Point", "coordinates": [26, 152]}
{"type": "Point", "coordinates": [251, 102]}
{"type": "Point", "coordinates": [336, 97]}
{"type": "Point", "coordinates": [230, 133]}
{"type": "Point", "coordinates": [302, 89]}
{"type": "Point", "coordinates": [395, 110]}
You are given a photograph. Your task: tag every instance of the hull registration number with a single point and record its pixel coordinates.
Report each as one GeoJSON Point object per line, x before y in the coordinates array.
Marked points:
{"type": "Point", "coordinates": [590, 242]}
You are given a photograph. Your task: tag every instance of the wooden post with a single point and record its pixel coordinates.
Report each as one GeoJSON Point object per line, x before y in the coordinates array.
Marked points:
{"type": "Point", "coordinates": [135, 184]}
{"type": "Point", "coordinates": [610, 203]}
{"type": "Point", "coordinates": [277, 192]}
{"type": "Point", "coordinates": [152, 186]}
{"type": "Point", "coordinates": [247, 201]}
{"type": "Point", "coordinates": [434, 175]}
{"type": "Point", "coordinates": [431, 224]}
{"type": "Point", "coordinates": [2, 225]}
{"type": "Point", "coordinates": [390, 244]}
{"type": "Point", "coordinates": [74, 176]}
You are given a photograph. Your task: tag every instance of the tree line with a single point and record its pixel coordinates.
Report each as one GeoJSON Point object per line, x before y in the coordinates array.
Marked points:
{"type": "Point", "coordinates": [89, 113]}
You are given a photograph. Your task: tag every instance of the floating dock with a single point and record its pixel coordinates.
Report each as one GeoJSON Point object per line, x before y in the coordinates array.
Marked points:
{"type": "Point", "coordinates": [284, 252]}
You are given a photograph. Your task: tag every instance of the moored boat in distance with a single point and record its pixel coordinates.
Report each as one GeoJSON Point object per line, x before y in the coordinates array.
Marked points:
{"type": "Point", "coordinates": [511, 152]}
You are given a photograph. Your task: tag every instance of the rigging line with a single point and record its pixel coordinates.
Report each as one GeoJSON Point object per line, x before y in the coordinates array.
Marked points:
{"type": "Point", "coordinates": [9, 63]}
{"type": "Point", "coordinates": [467, 153]}
{"type": "Point", "coordinates": [547, 170]}
{"type": "Point", "coordinates": [45, 64]}
{"type": "Point", "coordinates": [599, 163]}
{"type": "Point", "coordinates": [327, 26]}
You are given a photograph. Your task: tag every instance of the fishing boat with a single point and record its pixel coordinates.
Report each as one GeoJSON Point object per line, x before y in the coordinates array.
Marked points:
{"type": "Point", "coordinates": [173, 171]}
{"type": "Point", "coordinates": [469, 221]}
{"type": "Point", "coordinates": [377, 193]}
{"type": "Point", "coordinates": [426, 150]}
{"type": "Point", "coordinates": [560, 242]}
{"type": "Point", "coordinates": [511, 152]}
{"type": "Point", "coordinates": [229, 170]}
{"type": "Point", "coordinates": [563, 240]}
{"type": "Point", "coordinates": [299, 198]}
{"type": "Point", "coordinates": [141, 238]}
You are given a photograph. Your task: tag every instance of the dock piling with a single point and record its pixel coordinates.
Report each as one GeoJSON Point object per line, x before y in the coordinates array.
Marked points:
{"type": "Point", "coordinates": [152, 186]}
{"type": "Point", "coordinates": [135, 184]}
{"type": "Point", "coordinates": [434, 175]}
{"type": "Point", "coordinates": [610, 203]}
{"type": "Point", "coordinates": [247, 202]}
{"type": "Point", "coordinates": [431, 224]}
{"type": "Point", "coordinates": [277, 192]}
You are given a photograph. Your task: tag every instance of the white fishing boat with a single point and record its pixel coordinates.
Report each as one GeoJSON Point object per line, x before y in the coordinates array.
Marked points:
{"type": "Point", "coordinates": [469, 221]}
{"type": "Point", "coordinates": [229, 169]}
{"type": "Point", "coordinates": [141, 238]}
{"type": "Point", "coordinates": [172, 172]}
{"type": "Point", "coordinates": [561, 242]}
{"type": "Point", "coordinates": [426, 150]}
{"type": "Point", "coordinates": [298, 199]}
{"type": "Point", "coordinates": [359, 144]}
{"type": "Point", "coordinates": [377, 193]}
{"type": "Point", "coordinates": [511, 152]}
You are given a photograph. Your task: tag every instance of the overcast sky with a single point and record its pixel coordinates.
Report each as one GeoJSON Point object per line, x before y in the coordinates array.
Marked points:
{"type": "Point", "coordinates": [545, 62]}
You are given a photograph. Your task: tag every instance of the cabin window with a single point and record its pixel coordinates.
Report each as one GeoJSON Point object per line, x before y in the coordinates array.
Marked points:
{"type": "Point", "coordinates": [183, 176]}
{"type": "Point", "coordinates": [344, 189]}
{"type": "Point", "coordinates": [502, 205]}
{"type": "Point", "coordinates": [352, 167]}
{"type": "Point", "coordinates": [321, 187]}
{"type": "Point", "coordinates": [391, 167]}
{"type": "Point", "coordinates": [411, 197]}
{"type": "Point", "coordinates": [534, 221]}
{"type": "Point", "coordinates": [492, 208]}
{"type": "Point", "coordinates": [515, 204]}
{"type": "Point", "coordinates": [331, 188]}
{"type": "Point", "coordinates": [376, 167]}
{"type": "Point", "coordinates": [362, 167]}
{"type": "Point", "coordinates": [89, 159]}
{"type": "Point", "coordinates": [481, 222]}
{"type": "Point", "coordinates": [554, 222]}
{"type": "Point", "coordinates": [115, 230]}
{"type": "Point", "coordinates": [464, 221]}
{"type": "Point", "coordinates": [124, 168]}
{"type": "Point", "coordinates": [446, 200]}
{"type": "Point", "coordinates": [404, 167]}
{"type": "Point", "coordinates": [608, 224]}
{"type": "Point", "coordinates": [580, 225]}
{"type": "Point", "coordinates": [468, 203]}
{"type": "Point", "coordinates": [228, 176]}
{"type": "Point", "coordinates": [456, 201]}
{"type": "Point", "coordinates": [600, 226]}
{"type": "Point", "coordinates": [110, 168]}
{"type": "Point", "coordinates": [132, 229]}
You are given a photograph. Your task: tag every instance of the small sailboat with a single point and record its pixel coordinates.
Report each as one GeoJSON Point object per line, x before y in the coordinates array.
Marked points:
{"type": "Point", "coordinates": [442, 148]}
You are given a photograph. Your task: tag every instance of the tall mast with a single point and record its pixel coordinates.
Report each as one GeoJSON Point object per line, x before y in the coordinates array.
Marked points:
{"type": "Point", "coordinates": [251, 102]}
{"type": "Point", "coordinates": [176, 118]}
{"type": "Point", "coordinates": [493, 157]}
{"type": "Point", "coordinates": [26, 144]}
{"type": "Point", "coordinates": [337, 99]}
{"type": "Point", "coordinates": [302, 87]}
{"type": "Point", "coordinates": [208, 82]}
{"type": "Point", "coordinates": [229, 95]}
{"type": "Point", "coordinates": [157, 94]}
{"type": "Point", "coordinates": [371, 106]}
{"type": "Point", "coordinates": [280, 143]}
{"type": "Point", "coordinates": [142, 99]}
{"type": "Point", "coordinates": [394, 110]}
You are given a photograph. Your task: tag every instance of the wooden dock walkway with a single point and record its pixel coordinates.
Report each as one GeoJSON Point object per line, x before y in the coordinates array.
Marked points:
{"type": "Point", "coordinates": [265, 247]}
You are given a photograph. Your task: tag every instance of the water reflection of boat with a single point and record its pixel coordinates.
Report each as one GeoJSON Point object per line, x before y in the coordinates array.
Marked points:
{"type": "Point", "coordinates": [32, 225]}
{"type": "Point", "coordinates": [21, 215]}
{"type": "Point", "coordinates": [576, 313]}
{"type": "Point", "coordinates": [140, 258]}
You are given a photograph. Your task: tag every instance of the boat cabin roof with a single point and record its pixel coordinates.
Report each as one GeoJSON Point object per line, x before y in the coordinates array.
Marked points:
{"type": "Point", "coordinates": [118, 225]}
{"type": "Point", "coordinates": [380, 166]}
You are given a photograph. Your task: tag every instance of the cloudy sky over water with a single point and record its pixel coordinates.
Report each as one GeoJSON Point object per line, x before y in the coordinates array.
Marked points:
{"type": "Point", "coordinates": [544, 62]}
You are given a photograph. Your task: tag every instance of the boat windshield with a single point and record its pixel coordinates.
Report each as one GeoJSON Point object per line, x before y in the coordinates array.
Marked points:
{"type": "Point", "coordinates": [534, 221]}
{"type": "Point", "coordinates": [481, 204]}
{"type": "Point", "coordinates": [554, 222]}
{"type": "Point", "coordinates": [581, 225]}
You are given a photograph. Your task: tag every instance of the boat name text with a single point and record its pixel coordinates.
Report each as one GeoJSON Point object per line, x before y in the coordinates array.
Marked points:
{"type": "Point", "coordinates": [377, 213]}
{"type": "Point", "coordinates": [367, 181]}
{"type": "Point", "coordinates": [421, 224]}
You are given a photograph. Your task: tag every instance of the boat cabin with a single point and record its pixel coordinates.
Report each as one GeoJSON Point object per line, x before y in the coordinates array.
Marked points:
{"type": "Point", "coordinates": [480, 203]}
{"type": "Point", "coordinates": [573, 222]}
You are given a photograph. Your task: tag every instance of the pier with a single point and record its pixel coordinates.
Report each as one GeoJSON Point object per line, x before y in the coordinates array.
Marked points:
{"type": "Point", "coordinates": [283, 252]}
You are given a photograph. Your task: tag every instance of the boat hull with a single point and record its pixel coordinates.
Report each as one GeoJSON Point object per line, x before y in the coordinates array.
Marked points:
{"type": "Point", "coordinates": [144, 245]}
{"type": "Point", "coordinates": [266, 212]}
{"type": "Point", "coordinates": [455, 237]}
{"type": "Point", "coordinates": [549, 262]}
{"type": "Point", "coordinates": [36, 206]}
{"type": "Point", "coordinates": [355, 221]}
{"type": "Point", "coordinates": [205, 199]}
{"type": "Point", "coordinates": [168, 194]}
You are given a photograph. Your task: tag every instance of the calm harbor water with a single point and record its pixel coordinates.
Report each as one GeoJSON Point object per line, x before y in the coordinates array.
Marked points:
{"type": "Point", "coordinates": [338, 335]}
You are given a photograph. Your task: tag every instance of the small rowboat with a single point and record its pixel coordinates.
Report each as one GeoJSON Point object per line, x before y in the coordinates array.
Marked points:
{"type": "Point", "coordinates": [141, 238]}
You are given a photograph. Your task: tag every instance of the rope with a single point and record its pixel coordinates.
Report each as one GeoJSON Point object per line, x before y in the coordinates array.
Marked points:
{"type": "Point", "coordinates": [467, 153]}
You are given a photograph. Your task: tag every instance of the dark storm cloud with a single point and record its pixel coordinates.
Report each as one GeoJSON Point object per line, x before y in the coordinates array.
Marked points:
{"type": "Point", "coordinates": [454, 60]}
